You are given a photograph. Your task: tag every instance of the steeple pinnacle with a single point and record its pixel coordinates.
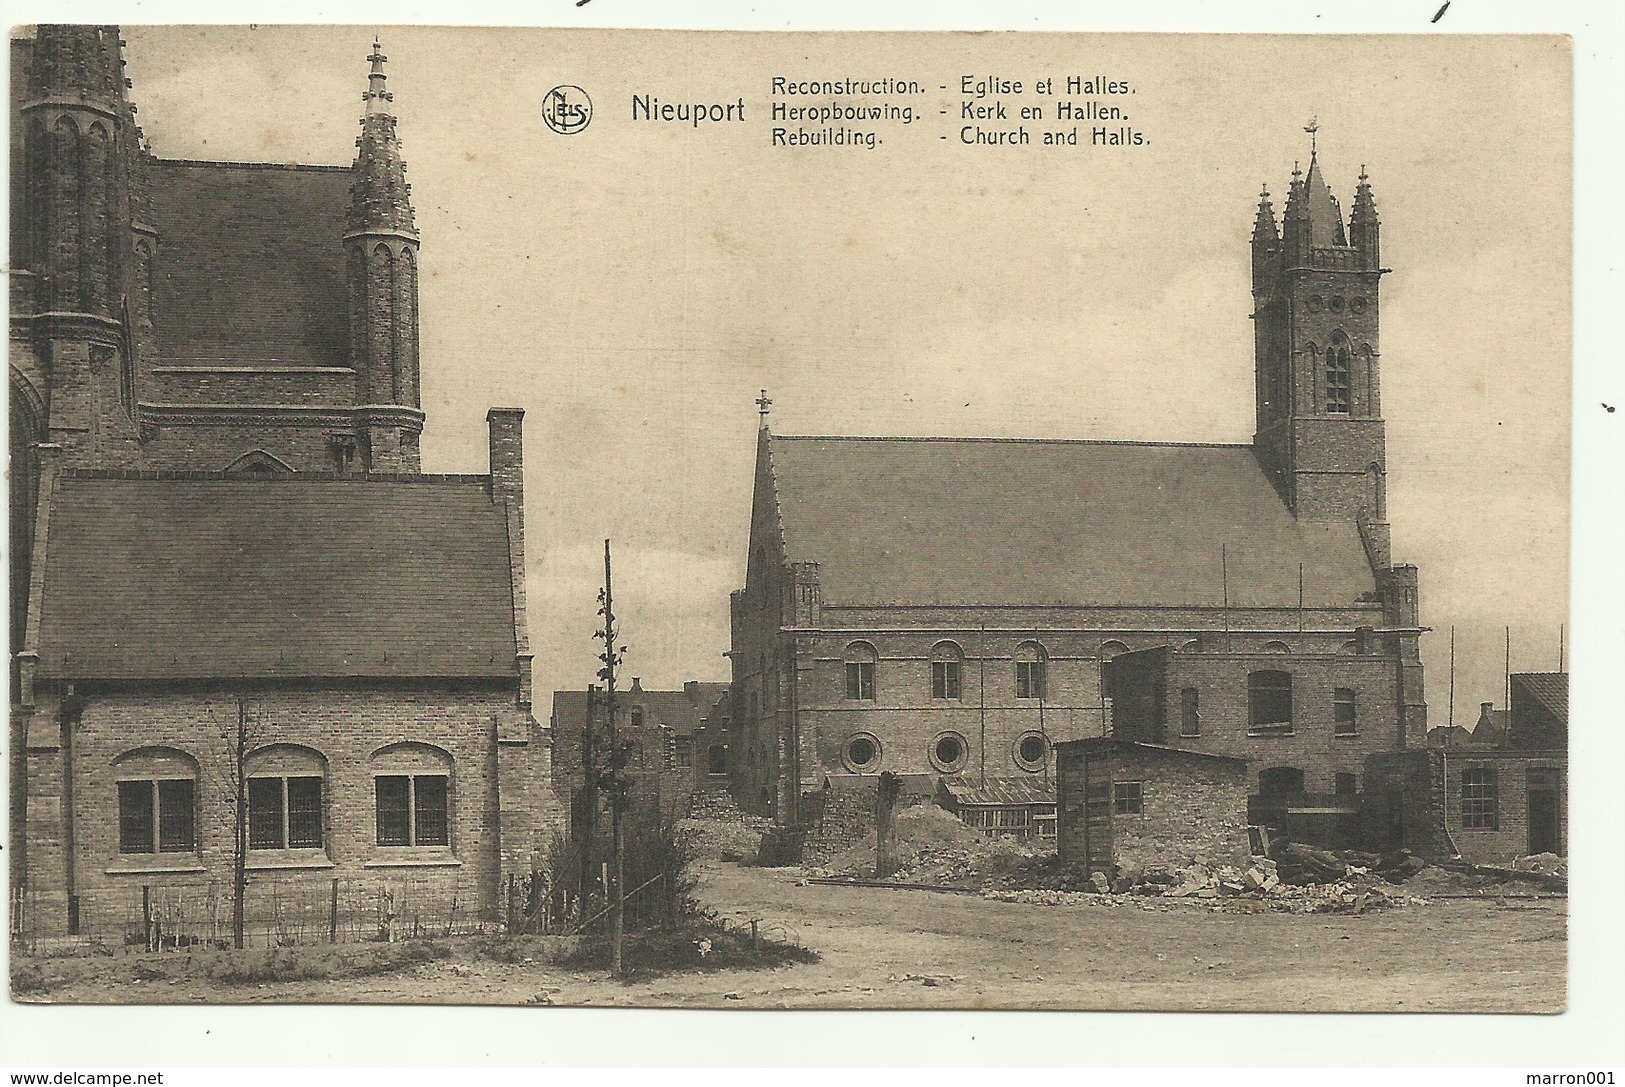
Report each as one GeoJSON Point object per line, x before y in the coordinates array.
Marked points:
{"type": "Point", "coordinates": [1264, 225]}
{"type": "Point", "coordinates": [375, 96]}
{"type": "Point", "coordinates": [380, 198]}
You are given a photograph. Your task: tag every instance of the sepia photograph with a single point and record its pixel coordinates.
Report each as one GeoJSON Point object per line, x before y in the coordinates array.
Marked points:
{"type": "Point", "coordinates": [801, 520]}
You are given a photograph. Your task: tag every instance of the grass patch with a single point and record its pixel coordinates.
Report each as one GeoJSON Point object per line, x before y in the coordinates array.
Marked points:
{"type": "Point", "coordinates": [698, 947]}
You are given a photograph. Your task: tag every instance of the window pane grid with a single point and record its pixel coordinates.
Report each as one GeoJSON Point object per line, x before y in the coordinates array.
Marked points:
{"type": "Point", "coordinates": [860, 680]}
{"type": "Point", "coordinates": [394, 794]}
{"type": "Point", "coordinates": [1338, 382]}
{"type": "Point", "coordinates": [1343, 712]}
{"type": "Point", "coordinates": [1478, 806]}
{"type": "Point", "coordinates": [1029, 679]}
{"type": "Point", "coordinates": [305, 813]}
{"type": "Point", "coordinates": [135, 807]}
{"type": "Point", "coordinates": [429, 810]}
{"type": "Point", "coordinates": [945, 679]}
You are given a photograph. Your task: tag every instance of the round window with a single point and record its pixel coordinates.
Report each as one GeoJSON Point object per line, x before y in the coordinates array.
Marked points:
{"type": "Point", "coordinates": [1031, 751]}
{"type": "Point", "coordinates": [862, 752]}
{"type": "Point", "coordinates": [948, 752]}
{"type": "Point", "coordinates": [1336, 304]}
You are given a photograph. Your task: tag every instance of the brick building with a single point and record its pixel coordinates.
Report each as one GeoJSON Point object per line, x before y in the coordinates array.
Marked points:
{"type": "Point", "coordinates": [949, 605]}
{"type": "Point", "coordinates": [1125, 805]}
{"type": "Point", "coordinates": [1486, 803]}
{"type": "Point", "coordinates": [670, 756]}
{"type": "Point", "coordinates": [217, 507]}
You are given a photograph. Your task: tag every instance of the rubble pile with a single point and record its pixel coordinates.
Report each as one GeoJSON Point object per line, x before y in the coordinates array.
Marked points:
{"type": "Point", "coordinates": [935, 848]}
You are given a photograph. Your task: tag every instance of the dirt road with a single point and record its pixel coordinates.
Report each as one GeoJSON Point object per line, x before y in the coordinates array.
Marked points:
{"type": "Point", "coordinates": [918, 949]}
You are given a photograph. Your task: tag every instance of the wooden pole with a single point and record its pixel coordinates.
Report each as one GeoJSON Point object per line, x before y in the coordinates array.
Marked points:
{"type": "Point", "coordinates": [1451, 716]}
{"type": "Point", "coordinates": [618, 903]}
{"type": "Point", "coordinates": [146, 916]}
{"type": "Point", "coordinates": [333, 913]}
{"type": "Point", "coordinates": [1224, 582]}
{"type": "Point", "coordinates": [239, 861]}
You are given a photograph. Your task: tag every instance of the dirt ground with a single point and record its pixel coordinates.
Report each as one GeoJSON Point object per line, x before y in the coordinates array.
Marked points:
{"type": "Point", "coordinates": [885, 947]}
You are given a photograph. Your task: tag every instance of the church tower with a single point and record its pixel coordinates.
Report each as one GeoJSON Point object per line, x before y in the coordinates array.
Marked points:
{"type": "Point", "coordinates": [381, 245]}
{"type": "Point", "coordinates": [74, 365]}
{"type": "Point", "coordinates": [1319, 427]}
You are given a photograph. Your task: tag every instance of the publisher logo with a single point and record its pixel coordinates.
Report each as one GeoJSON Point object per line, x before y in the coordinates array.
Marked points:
{"type": "Point", "coordinates": [567, 109]}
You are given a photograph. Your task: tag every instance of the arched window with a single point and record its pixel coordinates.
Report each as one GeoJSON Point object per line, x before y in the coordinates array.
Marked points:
{"type": "Point", "coordinates": [1339, 381]}
{"type": "Point", "coordinates": [157, 801]}
{"type": "Point", "coordinates": [1269, 702]}
{"type": "Point", "coordinates": [860, 671]}
{"type": "Point", "coordinates": [286, 786]}
{"type": "Point", "coordinates": [1277, 647]}
{"type": "Point", "coordinates": [1030, 678]}
{"type": "Point", "coordinates": [412, 790]}
{"type": "Point", "coordinates": [946, 665]}
{"type": "Point", "coordinates": [637, 716]}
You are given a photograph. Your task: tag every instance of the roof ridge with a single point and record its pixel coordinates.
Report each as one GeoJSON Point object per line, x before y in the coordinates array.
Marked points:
{"type": "Point", "coordinates": [201, 475]}
{"type": "Point", "coordinates": [1007, 441]}
{"type": "Point", "coordinates": [323, 166]}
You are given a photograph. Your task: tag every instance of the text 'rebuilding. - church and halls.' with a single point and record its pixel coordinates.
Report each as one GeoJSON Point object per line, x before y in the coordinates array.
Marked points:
{"type": "Point", "coordinates": [954, 606]}
{"type": "Point", "coordinates": [217, 508]}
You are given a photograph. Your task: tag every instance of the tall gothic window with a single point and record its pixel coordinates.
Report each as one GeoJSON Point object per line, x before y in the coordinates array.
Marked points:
{"type": "Point", "coordinates": [1339, 384]}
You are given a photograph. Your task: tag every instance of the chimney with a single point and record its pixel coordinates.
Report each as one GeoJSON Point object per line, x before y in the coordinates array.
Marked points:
{"type": "Point", "coordinates": [507, 456]}
{"type": "Point", "coordinates": [1486, 714]}
{"type": "Point", "coordinates": [637, 685]}
{"type": "Point", "coordinates": [508, 493]}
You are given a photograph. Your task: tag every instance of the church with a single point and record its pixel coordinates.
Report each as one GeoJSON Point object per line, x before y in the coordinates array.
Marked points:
{"type": "Point", "coordinates": [955, 607]}
{"type": "Point", "coordinates": [219, 527]}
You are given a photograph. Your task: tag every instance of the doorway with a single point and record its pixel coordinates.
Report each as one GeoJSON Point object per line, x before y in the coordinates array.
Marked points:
{"type": "Point", "coordinates": [1545, 812]}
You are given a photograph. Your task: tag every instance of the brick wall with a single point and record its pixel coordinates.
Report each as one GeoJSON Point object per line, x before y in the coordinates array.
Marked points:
{"type": "Point", "coordinates": [444, 730]}
{"type": "Point", "coordinates": [1194, 809]}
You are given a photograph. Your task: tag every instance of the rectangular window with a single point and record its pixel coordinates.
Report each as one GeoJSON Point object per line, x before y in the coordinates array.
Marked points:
{"type": "Point", "coordinates": [1127, 798]}
{"type": "Point", "coordinates": [1269, 703]}
{"type": "Point", "coordinates": [1343, 712]}
{"type": "Point", "coordinates": [265, 813]}
{"type": "Point", "coordinates": [1190, 714]}
{"type": "Point", "coordinates": [156, 817]}
{"type": "Point", "coordinates": [394, 795]}
{"type": "Point", "coordinates": [1029, 679]}
{"type": "Point", "coordinates": [860, 679]}
{"type": "Point", "coordinates": [177, 830]}
{"type": "Point", "coordinates": [944, 679]}
{"type": "Point", "coordinates": [305, 813]}
{"type": "Point", "coordinates": [1478, 802]}
{"type": "Point", "coordinates": [135, 816]}
{"type": "Point", "coordinates": [1347, 784]}
{"type": "Point", "coordinates": [429, 810]}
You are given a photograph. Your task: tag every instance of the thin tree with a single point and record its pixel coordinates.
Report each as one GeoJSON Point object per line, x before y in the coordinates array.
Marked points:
{"type": "Point", "coordinates": [613, 778]}
{"type": "Point", "coordinates": [230, 781]}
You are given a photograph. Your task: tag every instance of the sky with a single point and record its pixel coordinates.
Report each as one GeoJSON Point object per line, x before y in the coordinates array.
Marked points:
{"type": "Point", "coordinates": [634, 286]}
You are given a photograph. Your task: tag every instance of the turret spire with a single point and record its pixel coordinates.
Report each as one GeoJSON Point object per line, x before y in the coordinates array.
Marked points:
{"type": "Point", "coordinates": [375, 96]}
{"type": "Point", "coordinates": [1264, 225]}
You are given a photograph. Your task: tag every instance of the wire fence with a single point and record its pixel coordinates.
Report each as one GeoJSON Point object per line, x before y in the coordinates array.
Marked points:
{"type": "Point", "coordinates": [182, 916]}
{"type": "Point", "coordinates": [276, 913]}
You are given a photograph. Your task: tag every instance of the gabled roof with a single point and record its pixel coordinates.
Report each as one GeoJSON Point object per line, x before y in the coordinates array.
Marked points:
{"type": "Point", "coordinates": [1549, 690]}
{"type": "Point", "coordinates": [250, 263]}
{"type": "Point", "coordinates": [924, 521]}
{"type": "Point", "coordinates": [681, 711]}
{"type": "Point", "coordinates": [267, 576]}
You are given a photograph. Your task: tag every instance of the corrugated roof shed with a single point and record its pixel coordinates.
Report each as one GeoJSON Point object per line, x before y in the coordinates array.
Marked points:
{"type": "Point", "coordinates": [992, 521]}
{"type": "Point", "coordinates": [276, 576]}
{"type": "Point", "coordinates": [1000, 792]}
{"type": "Point", "coordinates": [250, 263]}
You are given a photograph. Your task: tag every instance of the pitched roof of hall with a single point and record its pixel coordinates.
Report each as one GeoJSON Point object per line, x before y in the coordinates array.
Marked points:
{"type": "Point", "coordinates": [992, 521]}
{"type": "Point", "coordinates": [209, 576]}
{"type": "Point", "coordinates": [1549, 689]}
{"type": "Point", "coordinates": [250, 265]}
{"type": "Point", "coordinates": [682, 711]}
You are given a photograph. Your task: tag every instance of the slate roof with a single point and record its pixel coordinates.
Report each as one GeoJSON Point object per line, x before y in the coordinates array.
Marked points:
{"type": "Point", "coordinates": [1548, 689]}
{"type": "Point", "coordinates": [250, 263]}
{"type": "Point", "coordinates": [1325, 215]}
{"type": "Point", "coordinates": [210, 576]}
{"type": "Point", "coordinates": [925, 521]}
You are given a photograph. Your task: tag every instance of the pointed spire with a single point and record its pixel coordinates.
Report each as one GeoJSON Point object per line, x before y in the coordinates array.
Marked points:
{"type": "Point", "coordinates": [1363, 222]}
{"type": "Point", "coordinates": [1264, 225]}
{"type": "Point", "coordinates": [380, 198]}
{"type": "Point", "coordinates": [375, 96]}
{"type": "Point", "coordinates": [1320, 207]}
